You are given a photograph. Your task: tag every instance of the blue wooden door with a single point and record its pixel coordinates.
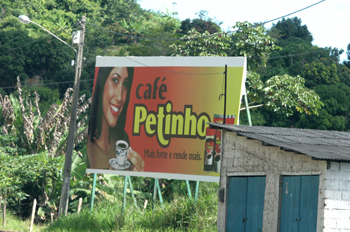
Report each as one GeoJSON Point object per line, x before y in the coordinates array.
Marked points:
{"type": "Point", "coordinates": [245, 203]}
{"type": "Point", "coordinates": [308, 203]}
{"type": "Point", "coordinates": [299, 203]}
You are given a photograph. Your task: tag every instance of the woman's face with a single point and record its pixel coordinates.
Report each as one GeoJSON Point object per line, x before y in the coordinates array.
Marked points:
{"type": "Point", "coordinates": [114, 95]}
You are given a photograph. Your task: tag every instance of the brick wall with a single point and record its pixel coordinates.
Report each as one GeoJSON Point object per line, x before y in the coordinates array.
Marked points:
{"type": "Point", "coordinates": [337, 198]}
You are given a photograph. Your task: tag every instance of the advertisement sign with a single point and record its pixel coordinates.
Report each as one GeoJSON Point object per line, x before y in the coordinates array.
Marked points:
{"type": "Point", "coordinates": [149, 115]}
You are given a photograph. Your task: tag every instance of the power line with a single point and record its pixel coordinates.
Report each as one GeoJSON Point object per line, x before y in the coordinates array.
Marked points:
{"type": "Point", "coordinates": [87, 32]}
{"type": "Point", "coordinates": [212, 35]}
{"type": "Point", "coordinates": [154, 67]}
{"type": "Point", "coordinates": [38, 40]}
{"type": "Point", "coordinates": [180, 39]}
{"type": "Point", "coordinates": [133, 36]}
{"type": "Point", "coordinates": [293, 12]}
{"type": "Point", "coordinates": [86, 80]}
{"type": "Point", "coordinates": [46, 84]}
{"type": "Point", "coordinates": [25, 45]}
{"type": "Point", "coordinates": [195, 74]}
{"type": "Point", "coordinates": [296, 54]}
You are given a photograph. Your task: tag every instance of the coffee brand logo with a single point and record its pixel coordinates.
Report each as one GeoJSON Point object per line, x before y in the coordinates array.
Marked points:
{"type": "Point", "coordinates": [166, 123]}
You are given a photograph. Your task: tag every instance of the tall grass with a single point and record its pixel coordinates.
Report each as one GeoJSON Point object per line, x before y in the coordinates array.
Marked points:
{"type": "Point", "coordinates": [13, 223]}
{"type": "Point", "coordinates": [179, 214]}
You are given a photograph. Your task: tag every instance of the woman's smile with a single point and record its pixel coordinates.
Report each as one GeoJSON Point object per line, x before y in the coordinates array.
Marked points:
{"type": "Point", "coordinates": [114, 110]}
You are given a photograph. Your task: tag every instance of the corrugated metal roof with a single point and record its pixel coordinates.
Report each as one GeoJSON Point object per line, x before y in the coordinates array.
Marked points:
{"type": "Point", "coordinates": [319, 144]}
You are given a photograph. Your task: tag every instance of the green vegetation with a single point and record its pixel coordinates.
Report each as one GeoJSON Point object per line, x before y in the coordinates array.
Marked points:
{"type": "Point", "coordinates": [179, 214]}
{"type": "Point", "coordinates": [295, 83]}
{"type": "Point", "coordinates": [13, 223]}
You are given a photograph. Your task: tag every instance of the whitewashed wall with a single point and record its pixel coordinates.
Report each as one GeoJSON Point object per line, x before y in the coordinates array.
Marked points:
{"type": "Point", "coordinates": [337, 198]}
{"type": "Point", "coordinates": [246, 157]}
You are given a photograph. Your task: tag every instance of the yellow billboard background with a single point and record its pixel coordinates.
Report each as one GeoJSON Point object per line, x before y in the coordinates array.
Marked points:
{"type": "Point", "coordinates": [158, 93]}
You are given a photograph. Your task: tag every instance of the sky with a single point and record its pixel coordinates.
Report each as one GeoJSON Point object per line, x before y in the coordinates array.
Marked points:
{"type": "Point", "coordinates": [327, 21]}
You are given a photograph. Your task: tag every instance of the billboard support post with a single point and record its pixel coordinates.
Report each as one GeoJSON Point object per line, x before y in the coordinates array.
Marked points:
{"type": "Point", "coordinates": [155, 189]}
{"type": "Point", "coordinates": [247, 109]}
{"type": "Point", "coordinates": [188, 189]}
{"type": "Point", "coordinates": [225, 94]}
{"type": "Point", "coordinates": [132, 191]}
{"type": "Point", "coordinates": [124, 192]}
{"type": "Point", "coordinates": [126, 180]}
{"type": "Point", "coordinates": [196, 194]}
{"type": "Point", "coordinates": [93, 192]}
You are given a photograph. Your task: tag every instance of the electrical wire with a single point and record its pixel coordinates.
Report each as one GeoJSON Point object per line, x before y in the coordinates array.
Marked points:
{"type": "Point", "coordinates": [87, 32]}
{"type": "Point", "coordinates": [159, 69]}
{"type": "Point", "coordinates": [145, 65]}
{"type": "Point", "coordinates": [25, 45]}
{"type": "Point", "coordinates": [92, 60]}
{"type": "Point", "coordinates": [180, 39]}
{"type": "Point", "coordinates": [212, 35]}
{"type": "Point", "coordinates": [269, 21]}
{"type": "Point", "coordinates": [38, 40]}
{"type": "Point", "coordinates": [296, 54]}
{"type": "Point", "coordinates": [45, 84]}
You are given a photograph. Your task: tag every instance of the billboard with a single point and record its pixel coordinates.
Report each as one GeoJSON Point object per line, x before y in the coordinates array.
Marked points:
{"type": "Point", "coordinates": [149, 115]}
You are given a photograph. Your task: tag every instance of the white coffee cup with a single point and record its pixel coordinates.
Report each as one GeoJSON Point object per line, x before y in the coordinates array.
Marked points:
{"type": "Point", "coordinates": [122, 150]}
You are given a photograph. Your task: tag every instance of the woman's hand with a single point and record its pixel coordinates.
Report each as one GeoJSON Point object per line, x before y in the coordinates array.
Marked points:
{"type": "Point", "coordinates": [136, 160]}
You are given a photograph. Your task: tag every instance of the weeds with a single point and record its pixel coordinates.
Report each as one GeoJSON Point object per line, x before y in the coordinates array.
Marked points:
{"type": "Point", "coordinates": [180, 214]}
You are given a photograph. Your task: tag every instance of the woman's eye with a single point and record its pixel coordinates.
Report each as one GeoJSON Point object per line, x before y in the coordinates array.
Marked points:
{"type": "Point", "coordinates": [115, 80]}
{"type": "Point", "coordinates": [126, 83]}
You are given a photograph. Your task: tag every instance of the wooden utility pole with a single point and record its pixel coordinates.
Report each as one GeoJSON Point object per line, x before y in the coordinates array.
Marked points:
{"type": "Point", "coordinates": [63, 208]}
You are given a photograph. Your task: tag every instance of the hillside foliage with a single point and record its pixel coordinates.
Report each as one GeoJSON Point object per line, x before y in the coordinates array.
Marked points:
{"type": "Point", "coordinates": [295, 83]}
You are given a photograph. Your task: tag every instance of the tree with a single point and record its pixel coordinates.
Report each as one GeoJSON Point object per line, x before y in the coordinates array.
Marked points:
{"type": "Point", "coordinates": [283, 94]}
{"type": "Point", "coordinates": [202, 44]}
{"type": "Point", "coordinates": [43, 58]}
{"type": "Point", "coordinates": [200, 25]}
{"type": "Point", "coordinates": [158, 26]}
{"type": "Point", "coordinates": [280, 93]}
{"type": "Point", "coordinates": [247, 40]}
{"type": "Point", "coordinates": [336, 98]}
{"type": "Point", "coordinates": [347, 63]}
{"type": "Point", "coordinates": [21, 118]}
{"type": "Point", "coordinates": [323, 121]}
{"type": "Point", "coordinates": [344, 74]}
{"type": "Point", "coordinates": [253, 42]}
{"type": "Point", "coordinates": [318, 73]}
{"type": "Point", "coordinates": [292, 27]}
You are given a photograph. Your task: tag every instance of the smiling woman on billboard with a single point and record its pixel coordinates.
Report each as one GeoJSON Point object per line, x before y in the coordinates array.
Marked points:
{"type": "Point", "coordinates": [108, 143]}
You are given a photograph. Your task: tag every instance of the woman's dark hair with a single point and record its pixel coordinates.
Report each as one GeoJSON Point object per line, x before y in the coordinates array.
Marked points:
{"type": "Point", "coordinates": [95, 124]}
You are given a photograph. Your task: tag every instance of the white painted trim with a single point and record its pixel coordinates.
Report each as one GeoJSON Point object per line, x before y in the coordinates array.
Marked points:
{"type": "Point", "coordinates": [246, 174]}
{"type": "Point", "coordinates": [168, 61]}
{"type": "Point", "coordinates": [161, 175]}
{"type": "Point", "coordinates": [300, 173]}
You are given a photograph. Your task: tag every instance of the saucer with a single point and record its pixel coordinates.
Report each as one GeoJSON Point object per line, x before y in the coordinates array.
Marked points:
{"type": "Point", "coordinates": [114, 164]}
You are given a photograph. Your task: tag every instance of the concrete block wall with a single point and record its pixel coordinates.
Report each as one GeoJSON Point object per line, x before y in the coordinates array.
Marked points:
{"type": "Point", "coordinates": [246, 157]}
{"type": "Point", "coordinates": [337, 198]}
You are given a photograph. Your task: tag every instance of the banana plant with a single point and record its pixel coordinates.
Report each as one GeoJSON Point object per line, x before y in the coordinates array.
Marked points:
{"type": "Point", "coordinates": [36, 133]}
{"type": "Point", "coordinates": [79, 188]}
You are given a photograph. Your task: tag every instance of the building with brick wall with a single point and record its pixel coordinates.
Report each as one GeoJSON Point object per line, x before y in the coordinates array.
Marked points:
{"type": "Point", "coordinates": [283, 179]}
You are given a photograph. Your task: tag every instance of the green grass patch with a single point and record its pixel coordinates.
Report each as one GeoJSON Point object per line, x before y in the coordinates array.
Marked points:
{"type": "Point", "coordinates": [179, 214]}
{"type": "Point", "coordinates": [14, 223]}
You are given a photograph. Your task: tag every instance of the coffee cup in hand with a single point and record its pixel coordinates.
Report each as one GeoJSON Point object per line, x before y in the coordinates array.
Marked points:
{"type": "Point", "coordinates": [122, 149]}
